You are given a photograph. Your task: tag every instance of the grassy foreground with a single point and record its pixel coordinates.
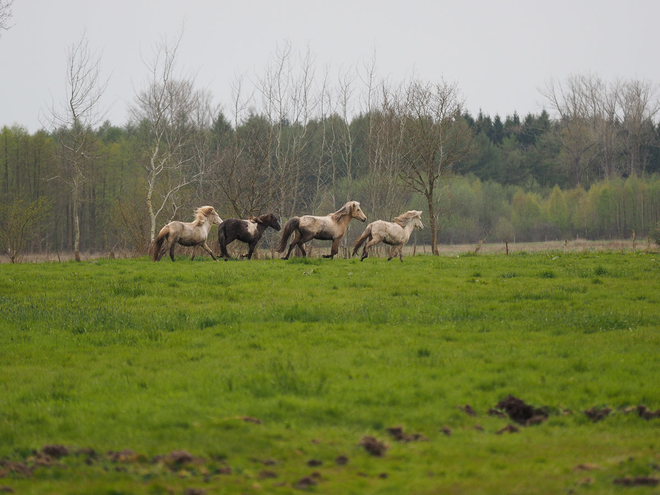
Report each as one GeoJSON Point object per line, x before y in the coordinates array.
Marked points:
{"type": "Point", "coordinates": [249, 377]}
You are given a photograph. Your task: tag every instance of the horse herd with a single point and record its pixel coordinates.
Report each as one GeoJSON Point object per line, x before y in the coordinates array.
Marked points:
{"type": "Point", "coordinates": [331, 227]}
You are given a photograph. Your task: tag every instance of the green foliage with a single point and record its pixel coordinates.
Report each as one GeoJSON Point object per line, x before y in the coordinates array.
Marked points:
{"type": "Point", "coordinates": [158, 357]}
{"type": "Point", "coordinates": [655, 234]}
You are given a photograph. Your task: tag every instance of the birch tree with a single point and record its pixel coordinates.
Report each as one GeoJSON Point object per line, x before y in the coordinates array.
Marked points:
{"type": "Point", "coordinates": [164, 109]}
{"type": "Point", "coordinates": [73, 123]}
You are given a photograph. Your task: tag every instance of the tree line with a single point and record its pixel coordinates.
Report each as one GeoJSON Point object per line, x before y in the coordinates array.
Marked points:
{"type": "Point", "coordinates": [295, 142]}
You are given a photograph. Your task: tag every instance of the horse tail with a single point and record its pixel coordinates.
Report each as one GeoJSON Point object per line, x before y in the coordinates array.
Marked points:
{"type": "Point", "coordinates": [221, 233]}
{"type": "Point", "coordinates": [365, 235]}
{"type": "Point", "coordinates": [289, 227]}
{"type": "Point", "coordinates": [158, 243]}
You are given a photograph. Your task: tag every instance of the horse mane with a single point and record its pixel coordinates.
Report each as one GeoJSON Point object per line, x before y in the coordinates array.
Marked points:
{"type": "Point", "coordinates": [344, 210]}
{"type": "Point", "coordinates": [261, 219]}
{"type": "Point", "coordinates": [403, 219]}
{"type": "Point", "coordinates": [201, 213]}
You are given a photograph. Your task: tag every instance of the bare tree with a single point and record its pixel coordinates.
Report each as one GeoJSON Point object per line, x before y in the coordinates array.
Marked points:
{"type": "Point", "coordinates": [18, 220]}
{"type": "Point", "coordinates": [286, 90]}
{"type": "Point", "coordinates": [640, 106]}
{"type": "Point", "coordinates": [5, 15]}
{"type": "Point", "coordinates": [575, 127]}
{"type": "Point", "coordinates": [243, 170]}
{"type": "Point", "coordinates": [73, 123]}
{"type": "Point", "coordinates": [165, 111]}
{"type": "Point", "coordinates": [435, 137]}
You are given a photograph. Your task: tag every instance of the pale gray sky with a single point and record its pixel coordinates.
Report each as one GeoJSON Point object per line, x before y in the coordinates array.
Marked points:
{"type": "Point", "coordinates": [498, 52]}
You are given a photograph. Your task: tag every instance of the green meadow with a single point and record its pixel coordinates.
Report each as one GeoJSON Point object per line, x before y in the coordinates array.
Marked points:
{"type": "Point", "coordinates": [268, 372]}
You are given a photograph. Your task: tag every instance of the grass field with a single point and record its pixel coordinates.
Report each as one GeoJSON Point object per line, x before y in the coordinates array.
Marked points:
{"type": "Point", "coordinates": [132, 377]}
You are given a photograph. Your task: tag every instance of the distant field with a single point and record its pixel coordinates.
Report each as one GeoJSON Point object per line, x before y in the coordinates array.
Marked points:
{"type": "Point", "coordinates": [573, 246]}
{"type": "Point", "coordinates": [128, 376]}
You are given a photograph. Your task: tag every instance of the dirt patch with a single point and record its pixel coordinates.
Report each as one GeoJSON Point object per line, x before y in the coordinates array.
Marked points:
{"type": "Point", "coordinates": [19, 468]}
{"type": "Point", "coordinates": [126, 455]}
{"type": "Point", "coordinates": [496, 413]}
{"type": "Point", "coordinates": [6, 489]}
{"type": "Point", "coordinates": [520, 412]}
{"type": "Point", "coordinates": [638, 481]}
{"type": "Point", "coordinates": [446, 430]}
{"type": "Point", "coordinates": [596, 414]}
{"type": "Point", "coordinates": [314, 462]}
{"type": "Point", "coordinates": [55, 451]}
{"type": "Point", "coordinates": [398, 434]}
{"type": "Point", "coordinates": [586, 467]}
{"type": "Point", "coordinates": [304, 483]}
{"type": "Point", "coordinates": [194, 491]}
{"type": "Point", "coordinates": [508, 429]}
{"type": "Point", "coordinates": [646, 413]}
{"type": "Point", "coordinates": [374, 446]}
{"type": "Point", "coordinates": [249, 419]}
{"type": "Point", "coordinates": [342, 460]}
{"type": "Point", "coordinates": [265, 474]}
{"type": "Point", "coordinates": [467, 409]}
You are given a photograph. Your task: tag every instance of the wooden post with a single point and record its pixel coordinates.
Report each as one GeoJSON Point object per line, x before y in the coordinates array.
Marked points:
{"type": "Point", "coordinates": [634, 246]}
{"type": "Point", "coordinates": [565, 246]}
{"type": "Point", "coordinates": [506, 242]}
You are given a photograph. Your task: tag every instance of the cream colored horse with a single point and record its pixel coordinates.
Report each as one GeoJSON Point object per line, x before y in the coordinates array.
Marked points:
{"type": "Point", "coordinates": [394, 233]}
{"type": "Point", "coordinates": [187, 234]}
{"type": "Point", "coordinates": [328, 228]}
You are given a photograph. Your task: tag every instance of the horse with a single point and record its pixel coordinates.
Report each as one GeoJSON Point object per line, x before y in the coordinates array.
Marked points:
{"type": "Point", "coordinates": [248, 231]}
{"type": "Point", "coordinates": [394, 233]}
{"type": "Point", "coordinates": [187, 234]}
{"type": "Point", "coordinates": [331, 227]}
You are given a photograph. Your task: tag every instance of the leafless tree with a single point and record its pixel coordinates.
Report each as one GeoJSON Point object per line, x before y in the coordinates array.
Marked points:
{"type": "Point", "coordinates": [435, 137]}
{"type": "Point", "coordinates": [73, 123]}
{"type": "Point", "coordinates": [575, 127]}
{"type": "Point", "coordinates": [165, 110]}
{"type": "Point", "coordinates": [286, 89]}
{"type": "Point", "coordinates": [243, 170]}
{"type": "Point", "coordinates": [640, 106]}
{"type": "Point", "coordinates": [5, 15]}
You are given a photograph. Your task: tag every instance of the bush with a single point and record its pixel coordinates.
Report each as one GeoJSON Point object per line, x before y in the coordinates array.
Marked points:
{"type": "Point", "coordinates": [655, 234]}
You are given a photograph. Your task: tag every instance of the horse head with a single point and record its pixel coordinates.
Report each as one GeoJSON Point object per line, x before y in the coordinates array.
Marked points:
{"type": "Point", "coordinates": [269, 220]}
{"type": "Point", "coordinates": [207, 212]}
{"type": "Point", "coordinates": [355, 211]}
{"type": "Point", "coordinates": [418, 220]}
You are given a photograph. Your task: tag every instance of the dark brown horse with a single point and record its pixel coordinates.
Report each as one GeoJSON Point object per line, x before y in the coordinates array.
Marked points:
{"type": "Point", "coordinates": [328, 228]}
{"type": "Point", "coordinates": [248, 231]}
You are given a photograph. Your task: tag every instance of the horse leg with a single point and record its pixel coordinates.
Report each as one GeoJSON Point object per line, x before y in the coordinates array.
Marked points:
{"type": "Point", "coordinates": [370, 243]}
{"type": "Point", "coordinates": [297, 240]}
{"type": "Point", "coordinates": [334, 249]}
{"type": "Point", "coordinates": [251, 250]}
{"type": "Point", "coordinates": [173, 240]}
{"type": "Point", "coordinates": [192, 257]}
{"type": "Point", "coordinates": [208, 250]}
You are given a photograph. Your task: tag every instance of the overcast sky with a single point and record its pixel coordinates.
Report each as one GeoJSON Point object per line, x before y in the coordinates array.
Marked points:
{"type": "Point", "coordinates": [498, 52]}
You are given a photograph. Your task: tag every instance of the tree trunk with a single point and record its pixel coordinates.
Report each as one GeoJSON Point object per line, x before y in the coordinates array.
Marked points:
{"type": "Point", "coordinates": [433, 225]}
{"type": "Point", "coordinates": [76, 224]}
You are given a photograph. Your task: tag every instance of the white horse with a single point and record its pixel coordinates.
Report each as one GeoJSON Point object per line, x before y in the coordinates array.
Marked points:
{"type": "Point", "coordinates": [187, 234]}
{"type": "Point", "coordinates": [328, 228]}
{"type": "Point", "coordinates": [394, 233]}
